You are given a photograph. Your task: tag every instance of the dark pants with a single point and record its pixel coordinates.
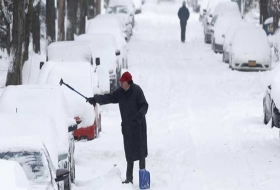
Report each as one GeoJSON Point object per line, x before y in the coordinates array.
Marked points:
{"type": "Point", "coordinates": [129, 170]}
{"type": "Point", "coordinates": [183, 30]}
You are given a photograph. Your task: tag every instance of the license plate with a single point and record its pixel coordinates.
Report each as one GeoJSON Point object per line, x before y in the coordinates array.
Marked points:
{"type": "Point", "coordinates": [252, 63]}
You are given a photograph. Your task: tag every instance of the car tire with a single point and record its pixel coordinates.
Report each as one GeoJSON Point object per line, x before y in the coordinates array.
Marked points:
{"type": "Point", "coordinates": [73, 171]}
{"type": "Point", "coordinates": [67, 184]}
{"type": "Point", "coordinates": [265, 121]}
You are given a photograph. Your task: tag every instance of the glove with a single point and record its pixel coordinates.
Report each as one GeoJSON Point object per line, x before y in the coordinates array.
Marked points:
{"type": "Point", "coordinates": [92, 101]}
{"type": "Point", "coordinates": [140, 116]}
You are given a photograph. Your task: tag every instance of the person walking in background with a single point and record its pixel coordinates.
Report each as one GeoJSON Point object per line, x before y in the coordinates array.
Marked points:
{"type": "Point", "coordinates": [133, 108]}
{"type": "Point", "coordinates": [183, 15]}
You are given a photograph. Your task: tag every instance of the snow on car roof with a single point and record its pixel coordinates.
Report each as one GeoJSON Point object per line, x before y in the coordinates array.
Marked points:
{"type": "Point", "coordinates": [227, 7]}
{"type": "Point", "coordinates": [69, 51]}
{"type": "Point", "coordinates": [12, 176]}
{"type": "Point", "coordinates": [80, 76]}
{"type": "Point", "coordinates": [253, 39]}
{"type": "Point", "coordinates": [36, 125]}
{"type": "Point", "coordinates": [100, 40]}
{"type": "Point", "coordinates": [127, 3]}
{"type": "Point", "coordinates": [97, 27]}
{"type": "Point", "coordinates": [48, 100]}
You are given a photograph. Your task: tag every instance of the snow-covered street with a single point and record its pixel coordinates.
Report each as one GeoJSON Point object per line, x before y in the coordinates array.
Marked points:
{"type": "Point", "coordinates": [205, 121]}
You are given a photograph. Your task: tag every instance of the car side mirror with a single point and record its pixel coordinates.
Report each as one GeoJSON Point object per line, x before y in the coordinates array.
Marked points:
{"type": "Point", "coordinates": [72, 128]}
{"type": "Point", "coordinates": [61, 175]}
{"type": "Point", "coordinates": [41, 64]}
{"type": "Point", "coordinates": [211, 16]}
{"type": "Point", "coordinates": [269, 87]}
{"type": "Point", "coordinates": [118, 53]}
{"type": "Point", "coordinates": [126, 39]}
{"type": "Point", "coordinates": [97, 61]}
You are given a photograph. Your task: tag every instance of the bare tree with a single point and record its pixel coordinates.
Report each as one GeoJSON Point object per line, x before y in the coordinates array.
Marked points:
{"type": "Point", "coordinates": [28, 24]}
{"type": "Point", "coordinates": [14, 76]}
{"type": "Point", "coordinates": [6, 7]}
{"type": "Point", "coordinates": [71, 18]}
{"type": "Point", "coordinates": [50, 21]}
{"type": "Point", "coordinates": [81, 17]}
{"type": "Point", "coordinates": [263, 11]}
{"type": "Point", "coordinates": [61, 18]}
{"type": "Point", "coordinates": [36, 29]}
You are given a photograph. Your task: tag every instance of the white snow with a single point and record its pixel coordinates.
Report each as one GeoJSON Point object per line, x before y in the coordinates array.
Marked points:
{"type": "Point", "coordinates": [34, 99]}
{"type": "Point", "coordinates": [31, 125]}
{"type": "Point", "coordinates": [251, 43]}
{"type": "Point", "coordinates": [12, 176]}
{"type": "Point", "coordinates": [204, 121]}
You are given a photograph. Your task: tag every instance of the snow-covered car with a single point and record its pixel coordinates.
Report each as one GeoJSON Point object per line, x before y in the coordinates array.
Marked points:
{"type": "Point", "coordinates": [250, 50]}
{"type": "Point", "coordinates": [229, 36]}
{"type": "Point", "coordinates": [12, 176]}
{"type": "Point", "coordinates": [215, 10]}
{"type": "Point", "coordinates": [48, 100]}
{"type": "Point", "coordinates": [222, 24]}
{"type": "Point", "coordinates": [103, 45]}
{"type": "Point", "coordinates": [121, 13]}
{"type": "Point", "coordinates": [271, 101]}
{"type": "Point", "coordinates": [73, 51]}
{"type": "Point", "coordinates": [267, 106]}
{"type": "Point", "coordinates": [32, 155]}
{"type": "Point", "coordinates": [96, 26]}
{"type": "Point", "coordinates": [129, 6]}
{"type": "Point", "coordinates": [137, 6]}
{"type": "Point", "coordinates": [208, 27]}
{"type": "Point", "coordinates": [87, 116]}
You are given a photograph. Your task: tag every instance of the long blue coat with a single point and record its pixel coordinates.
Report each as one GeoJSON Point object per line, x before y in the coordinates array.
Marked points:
{"type": "Point", "coordinates": [134, 132]}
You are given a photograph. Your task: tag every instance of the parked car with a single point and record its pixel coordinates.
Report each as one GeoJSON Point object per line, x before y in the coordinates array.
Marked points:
{"type": "Point", "coordinates": [12, 176]}
{"type": "Point", "coordinates": [73, 51]}
{"type": "Point", "coordinates": [34, 159]}
{"type": "Point", "coordinates": [96, 26]}
{"type": "Point", "coordinates": [250, 50]}
{"type": "Point", "coordinates": [121, 13]}
{"type": "Point", "coordinates": [271, 101]}
{"type": "Point", "coordinates": [215, 10]}
{"type": "Point", "coordinates": [219, 30]}
{"type": "Point", "coordinates": [129, 6]}
{"type": "Point", "coordinates": [87, 116]}
{"type": "Point", "coordinates": [48, 100]}
{"type": "Point", "coordinates": [104, 45]}
{"type": "Point", "coordinates": [229, 36]}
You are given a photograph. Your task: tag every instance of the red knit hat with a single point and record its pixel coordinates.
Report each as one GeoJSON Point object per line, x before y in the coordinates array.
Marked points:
{"type": "Point", "coordinates": [126, 76]}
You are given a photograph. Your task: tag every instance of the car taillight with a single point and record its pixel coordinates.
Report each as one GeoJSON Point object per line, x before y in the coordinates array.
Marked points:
{"type": "Point", "coordinates": [78, 120]}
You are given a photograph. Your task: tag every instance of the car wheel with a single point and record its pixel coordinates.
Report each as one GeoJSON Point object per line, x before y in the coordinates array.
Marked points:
{"type": "Point", "coordinates": [67, 184]}
{"type": "Point", "coordinates": [96, 130]}
{"type": "Point", "coordinates": [265, 121]}
{"type": "Point", "coordinates": [83, 137]}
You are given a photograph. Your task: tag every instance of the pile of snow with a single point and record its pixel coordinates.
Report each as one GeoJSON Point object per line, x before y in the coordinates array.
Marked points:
{"type": "Point", "coordinates": [35, 99]}
{"type": "Point", "coordinates": [34, 125]}
{"type": "Point", "coordinates": [80, 76]}
{"type": "Point", "coordinates": [250, 43]}
{"type": "Point", "coordinates": [69, 51]}
{"type": "Point", "coordinates": [12, 176]}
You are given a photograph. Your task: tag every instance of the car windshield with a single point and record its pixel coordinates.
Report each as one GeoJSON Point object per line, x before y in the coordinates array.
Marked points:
{"type": "Point", "coordinates": [33, 163]}
{"type": "Point", "coordinates": [114, 10]}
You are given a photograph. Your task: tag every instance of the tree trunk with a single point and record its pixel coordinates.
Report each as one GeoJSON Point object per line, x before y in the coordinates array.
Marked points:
{"type": "Point", "coordinates": [81, 17]}
{"type": "Point", "coordinates": [61, 18]}
{"type": "Point", "coordinates": [8, 38]}
{"type": "Point", "coordinates": [90, 9]}
{"type": "Point", "coordinates": [263, 11]}
{"type": "Point", "coordinates": [72, 19]}
{"type": "Point", "coordinates": [36, 29]}
{"type": "Point", "coordinates": [50, 21]}
{"type": "Point", "coordinates": [14, 76]}
{"type": "Point", "coordinates": [27, 30]}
